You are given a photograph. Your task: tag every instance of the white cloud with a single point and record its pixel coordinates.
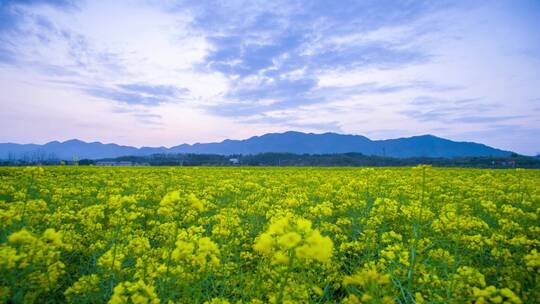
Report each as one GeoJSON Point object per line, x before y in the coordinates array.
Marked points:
{"type": "Point", "coordinates": [478, 57]}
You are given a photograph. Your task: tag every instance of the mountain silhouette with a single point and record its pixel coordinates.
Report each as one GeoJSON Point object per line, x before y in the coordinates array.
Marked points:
{"type": "Point", "coordinates": [287, 142]}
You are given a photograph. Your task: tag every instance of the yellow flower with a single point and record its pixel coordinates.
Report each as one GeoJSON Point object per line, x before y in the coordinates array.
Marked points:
{"type": "Point", "coordinates": [317, 290]}
{"type": "Point", "coordinates": [279, 226]}
{"type": "Point", "coordinates": [195, 203]}
{"type": "Point", "coordinates": [217, 301]}
{"type": "Point", "coordinates": [280, 257]}
{"type": "Point", "coordinates": [264, 244]}
{"type": "Point", "coordinates": [195, 250]}
{"type": "Point", "coordinates": [493, 295]}
{"type": "Point", "coordinates": [367, 276]}
{"type": "Point", "coordinates": [136, 292]}
{"type": "Point", "coordinates": [168, 203]}
{"type": "Point", "coordinates": [183, 250]}
{"type": "Point", "coordinates": [297, 236]}
{"type": "Point", "coordinates": [50, 235]}
{"type": "Point", "coordinates": [532, 260]}
{"type": "Point", "coordinates": [112, 259]}
{"type": "Point", "coordinates": [289, 240]}
{"type": "Point", "coordinates": [85, 284]}
{"type": "Point", "coordinates": [317, 247]}
{"type": "Point", "coordinates": [21, 237]}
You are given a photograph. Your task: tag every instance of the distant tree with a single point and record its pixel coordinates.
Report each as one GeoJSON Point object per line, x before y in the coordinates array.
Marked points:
{"type": "Point", "coordinates": [86, 162]}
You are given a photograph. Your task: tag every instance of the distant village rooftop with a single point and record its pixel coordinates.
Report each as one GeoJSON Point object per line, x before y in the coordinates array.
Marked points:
{"type": "Point", "coordinates": [119, 163]}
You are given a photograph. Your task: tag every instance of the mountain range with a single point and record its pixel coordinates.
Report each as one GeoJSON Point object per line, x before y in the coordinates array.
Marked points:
{"type": "Point", "coordinates": [288, 142]}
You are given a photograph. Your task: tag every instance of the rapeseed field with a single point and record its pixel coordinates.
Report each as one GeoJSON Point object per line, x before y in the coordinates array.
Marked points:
{"type": "Point", "coordinates": [269, 235]}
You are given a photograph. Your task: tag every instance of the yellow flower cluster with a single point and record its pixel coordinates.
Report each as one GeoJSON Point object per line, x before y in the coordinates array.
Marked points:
{"type": "Point", "coordinates": [288, 238]}
{"type": "Point", "coordinates": [35, 260]}
{"type": "Point", "coordinates": [269, 235]}
{"type": "Point", "coordinates": [493, 295]}
{"type": "Point", "coordinates": [134, 292]}
{"type": "Point", "coordinates": [367, 276]}
{"type": "Point", "coordinates": [368, 286]}
{"type": "Point", "coordinates": [86, 284]}
{"type": "Point", "coordinates": [532, 260]}
{"type": "Point", "coordinates": [201, 251]}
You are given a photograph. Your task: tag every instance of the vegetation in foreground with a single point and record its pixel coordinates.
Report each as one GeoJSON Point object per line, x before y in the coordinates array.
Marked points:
{"type": "Point", "coordinates": [278, 235]}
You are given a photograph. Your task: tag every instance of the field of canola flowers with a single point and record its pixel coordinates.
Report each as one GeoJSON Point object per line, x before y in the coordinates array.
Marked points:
{"type": "Point", "coordinates": [269, 235]}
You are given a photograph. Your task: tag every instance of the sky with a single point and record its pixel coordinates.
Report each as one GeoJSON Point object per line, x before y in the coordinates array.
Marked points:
{"type": "Point", "coordinates": [162, 73]}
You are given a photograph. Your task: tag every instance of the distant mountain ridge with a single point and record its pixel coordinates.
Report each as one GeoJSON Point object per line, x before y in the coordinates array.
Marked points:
{"type": "Point", "coordinates": [287, 142]}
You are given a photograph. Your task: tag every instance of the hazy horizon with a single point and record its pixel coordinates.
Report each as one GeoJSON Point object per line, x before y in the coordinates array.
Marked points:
{"type": "Point", "coordinates": [163, 73]}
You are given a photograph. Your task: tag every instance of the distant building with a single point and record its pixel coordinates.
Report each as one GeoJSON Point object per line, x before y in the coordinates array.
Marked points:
{"type": "Point", "coordinates": [115, 163]}
{"type": "Point", "coordinates": [234, 161]}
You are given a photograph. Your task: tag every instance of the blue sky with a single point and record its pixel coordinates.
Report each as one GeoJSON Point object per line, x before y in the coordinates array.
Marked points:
{"type": "Point", "coordinates": [152, 73]}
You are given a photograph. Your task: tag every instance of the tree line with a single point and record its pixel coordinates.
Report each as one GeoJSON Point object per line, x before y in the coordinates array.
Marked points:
{"type": "Point", "coordinates": [289, 159]}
